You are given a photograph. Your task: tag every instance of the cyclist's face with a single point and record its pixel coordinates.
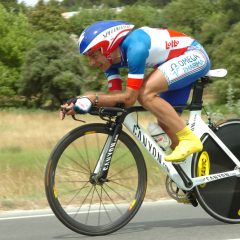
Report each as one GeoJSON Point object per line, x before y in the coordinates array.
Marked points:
{"type": "Point", "coordinates": [96, 59]}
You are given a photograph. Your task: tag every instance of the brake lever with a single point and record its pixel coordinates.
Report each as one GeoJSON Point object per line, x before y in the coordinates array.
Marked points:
{"type": "Point", "coordinates": [74, 118]}
{"type": "Point", "coordinates": [64, 109]}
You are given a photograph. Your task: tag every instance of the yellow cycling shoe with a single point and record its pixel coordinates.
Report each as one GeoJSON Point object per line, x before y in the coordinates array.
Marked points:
{"type": "Point", "coordinates": [188, 143]}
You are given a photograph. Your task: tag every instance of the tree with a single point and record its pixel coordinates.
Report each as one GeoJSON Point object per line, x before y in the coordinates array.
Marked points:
{"type": "Point", "coordinates": [47, 17]}
{"type": "Point", "coordinates": [186, 17]}
{"type": "Point", "coordinates": [215, 25]}
{"type": "Point", "coordinates": [149, 16]}
{"type": "Point", "coordinates": [10, 5]}
{"type": "Point", "coordinates": [227, 55]}
{"type": "Point", "coordinates": [143, 15]}
{"type": "Point", "coordinates": [15, 39]}
{"type": "Point", "coordinates": [73, 5]}
{"type": "Point", "coordinates": [52, 71]}
{"type": "Point", "coordinates": [85, 17]}
{"type": "Point", "coordinates": [231, 9]}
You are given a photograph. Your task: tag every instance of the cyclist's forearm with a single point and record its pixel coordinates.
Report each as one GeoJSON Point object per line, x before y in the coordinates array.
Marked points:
{"type": "Point", "coordinates": [128, 98]}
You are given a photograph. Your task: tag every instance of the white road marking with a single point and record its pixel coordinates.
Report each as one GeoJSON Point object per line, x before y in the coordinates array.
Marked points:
{"type": "Point", "coordinates": [25, 217]}
{"type": "Point", "coordinates": [25, 214]}
{"type": "Point", "coordinates": [32, 214]}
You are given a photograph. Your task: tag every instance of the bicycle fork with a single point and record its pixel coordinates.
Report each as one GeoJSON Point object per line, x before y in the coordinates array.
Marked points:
{"type": "Point", "coordinates": [99, 175]}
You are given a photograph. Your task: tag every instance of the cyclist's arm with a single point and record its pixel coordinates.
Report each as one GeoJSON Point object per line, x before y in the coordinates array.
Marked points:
{"type": "Point", "coordinates": [128, 98]}
{"type": "Point", "coordinates": [114, 79]}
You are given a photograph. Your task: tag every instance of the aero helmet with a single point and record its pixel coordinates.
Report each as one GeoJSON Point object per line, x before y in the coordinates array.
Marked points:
{"type": "Point", "coordinates": [104, 35]}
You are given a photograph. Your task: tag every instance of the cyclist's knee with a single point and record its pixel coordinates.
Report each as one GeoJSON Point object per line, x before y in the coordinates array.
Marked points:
{"type": "Point", "coordinates": [144, 98]}
{"type": "Point", "coordinates": [140, 99]}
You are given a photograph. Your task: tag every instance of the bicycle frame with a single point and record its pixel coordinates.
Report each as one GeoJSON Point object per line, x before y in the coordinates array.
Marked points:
{"type": "Point", "coordinates": [180, 173]}
{"type": "Point", "coordinates": [105, 201]}
{"type": "Point", "coordinates": [197, 125]}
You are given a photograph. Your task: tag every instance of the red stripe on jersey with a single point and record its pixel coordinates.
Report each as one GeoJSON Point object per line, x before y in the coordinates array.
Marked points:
{"type": "Point", "coordinates": [176, 53]}
{"type": "Point", "coordinates": [134, 83]}
{"type": "Point", "coordinates": [173, 33]}
{"type": "Point", "coordinates": [115, 84]}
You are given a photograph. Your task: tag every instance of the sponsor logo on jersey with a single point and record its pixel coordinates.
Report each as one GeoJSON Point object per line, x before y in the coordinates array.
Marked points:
{"type": "Point", "coordinates": [171, 44]}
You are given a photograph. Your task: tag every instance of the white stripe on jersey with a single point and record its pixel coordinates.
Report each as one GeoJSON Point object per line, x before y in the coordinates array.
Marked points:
{"type": "Point", "coordinates": [136, 76]}
{"type": "Point", "coordinates": [116, 76]}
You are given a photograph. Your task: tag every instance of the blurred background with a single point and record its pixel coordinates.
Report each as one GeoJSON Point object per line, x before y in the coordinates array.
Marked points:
{"type": "Point", "coordinates": [40, 67]}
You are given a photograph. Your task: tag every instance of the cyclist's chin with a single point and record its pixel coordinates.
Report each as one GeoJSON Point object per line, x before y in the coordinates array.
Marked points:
{"type": "Point", "coordinates": [104, 67]}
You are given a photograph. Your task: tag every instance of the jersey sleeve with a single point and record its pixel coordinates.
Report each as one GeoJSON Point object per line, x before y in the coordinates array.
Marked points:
{"type": "Point", "coordinates": [137, 53]}
{"type": "Point", "coordinates": [114, 79]}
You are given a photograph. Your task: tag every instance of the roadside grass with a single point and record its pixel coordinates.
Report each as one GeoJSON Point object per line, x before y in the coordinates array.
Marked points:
{"type": "Point", "coordinates": [26, 140]}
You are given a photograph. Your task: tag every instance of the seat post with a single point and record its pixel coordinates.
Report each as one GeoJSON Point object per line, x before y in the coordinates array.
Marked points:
{"type": "Point", "coordinates": [196, 103]}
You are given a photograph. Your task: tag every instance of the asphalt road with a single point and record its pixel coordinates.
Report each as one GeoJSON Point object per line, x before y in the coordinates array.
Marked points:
{"type": "Point", "coordinates": [165, 220]}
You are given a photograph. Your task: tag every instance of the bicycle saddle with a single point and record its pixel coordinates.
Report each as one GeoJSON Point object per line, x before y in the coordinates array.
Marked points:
{"type": "Point", "coordinates": [221, 72]}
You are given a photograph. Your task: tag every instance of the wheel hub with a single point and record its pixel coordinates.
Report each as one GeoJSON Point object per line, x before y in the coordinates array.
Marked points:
{"type": "Point", "coordinates": [97, 180]}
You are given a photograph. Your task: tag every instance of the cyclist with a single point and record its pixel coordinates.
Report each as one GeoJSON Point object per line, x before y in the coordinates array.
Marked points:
{"type": "Point", "coordinates": [177, 61]}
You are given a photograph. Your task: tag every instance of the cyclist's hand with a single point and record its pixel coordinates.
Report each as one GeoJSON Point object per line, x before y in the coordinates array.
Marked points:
{"type": "Point", "coordinates": [73, 106]}
{"type": "Point", "coordinates": [67, 108]}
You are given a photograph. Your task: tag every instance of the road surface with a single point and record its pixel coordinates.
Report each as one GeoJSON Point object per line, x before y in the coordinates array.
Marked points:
{"type": "Point", "coordinates": [165, 220]}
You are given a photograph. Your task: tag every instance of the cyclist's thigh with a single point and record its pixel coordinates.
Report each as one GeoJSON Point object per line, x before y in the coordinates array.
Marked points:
{"type": "Point", "coordinates": [185, 69]}
{"type": "Point", "coordinates": [177, 97]}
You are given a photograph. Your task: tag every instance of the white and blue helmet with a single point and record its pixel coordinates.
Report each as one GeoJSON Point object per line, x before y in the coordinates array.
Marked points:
{"type": "Point", "coordinates": [104, 35]}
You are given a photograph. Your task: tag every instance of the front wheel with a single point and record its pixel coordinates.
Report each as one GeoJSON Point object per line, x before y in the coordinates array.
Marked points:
{"type": "Point", "coordinates": [95, 208]}
{"type": "Point", "coordinates": [221, 198]}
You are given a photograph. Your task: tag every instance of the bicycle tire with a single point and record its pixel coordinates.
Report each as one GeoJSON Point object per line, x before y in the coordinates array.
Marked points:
{"type": "Point", "coordinates": [81, 206]}
{"type": "Point", "coordinates": [221, 198]}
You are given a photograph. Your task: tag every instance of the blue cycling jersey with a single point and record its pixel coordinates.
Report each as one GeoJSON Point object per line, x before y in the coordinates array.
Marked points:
{"type": "Point", "coordinates": [180, 58]}
{"type": "Point", "coordinates": [146, 48]}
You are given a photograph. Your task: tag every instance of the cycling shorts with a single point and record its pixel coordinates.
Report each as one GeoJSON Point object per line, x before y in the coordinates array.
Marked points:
{"type": "Point", "coordinates": [181, 72]}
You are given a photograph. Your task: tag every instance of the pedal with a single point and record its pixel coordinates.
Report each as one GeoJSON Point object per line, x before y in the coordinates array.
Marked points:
{"type": "Point", "coordinates": [192, 199]}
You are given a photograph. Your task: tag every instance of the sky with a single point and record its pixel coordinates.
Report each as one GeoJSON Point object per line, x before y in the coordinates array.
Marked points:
{"type": "Point", "coordinates": [30, 2]}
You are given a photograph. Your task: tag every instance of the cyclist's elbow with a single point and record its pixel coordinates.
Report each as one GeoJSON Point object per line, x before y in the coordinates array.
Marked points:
{"type": "Point", "coordinates": [130, 97]}
{"type": "Point", "coordinates": [129, 102]}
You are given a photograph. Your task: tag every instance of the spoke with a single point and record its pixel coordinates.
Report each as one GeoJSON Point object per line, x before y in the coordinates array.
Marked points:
{"type": "Point", "coordinates": [123, 170]}
{"type": "Point", "coordinates": [120, 184]}
{"type": "Point", "coordinates": [87, 163]}
{"type": "Point", "coordinates": [78, 191]}
{"type": "Point", "coordinates": [83, 202]}
{"type": "Point", "coordinates": [113, 200]}
{"type": "Point", "coordinates": [72, 191]}
{"type": "Point", "coordinates": [73, 181]}
{"type": "Point", "coordinates": [90, 204]}
{"type": "Point", "coordinates": [99, 215]}
{"type": "Point", "coordinates": [120, 158]}
{"type": "Point", "coordinates": [73, 170]}
{"type": "Point", "coordinates": [120, 195]}
{"type": "Point", "coordinates": [77, 163]}
{"type": "Point", "coordinates": [98, 144]}
{"type": "Point", "coordinates": [122, 179]}
{"type": "Point", "coordinates": [100, 198]}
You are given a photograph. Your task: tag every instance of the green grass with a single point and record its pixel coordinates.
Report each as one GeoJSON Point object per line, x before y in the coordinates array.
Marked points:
{"type": "Point", "coordinates": [28, 137]}
{"type": "Point", "coordinates": [26, 140]}
{"type": "Point", "coordinates": [16, 157]}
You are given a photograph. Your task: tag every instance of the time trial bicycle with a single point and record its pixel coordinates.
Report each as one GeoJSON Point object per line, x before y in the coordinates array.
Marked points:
{"type": "Point", "coordinates": [96, 176]}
